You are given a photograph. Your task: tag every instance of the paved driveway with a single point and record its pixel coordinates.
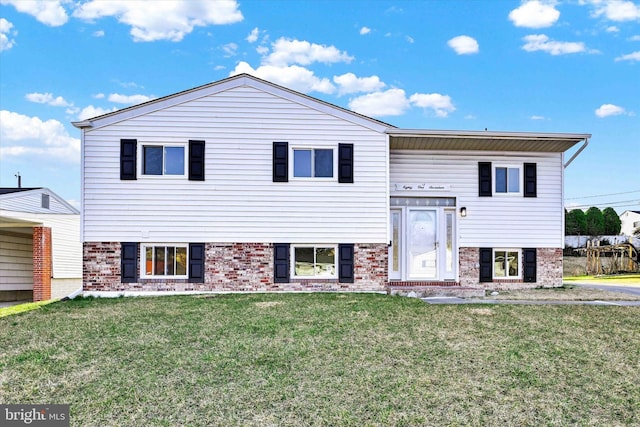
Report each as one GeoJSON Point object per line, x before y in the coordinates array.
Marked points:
{"type": "Point", "coordinates": [631, 290]}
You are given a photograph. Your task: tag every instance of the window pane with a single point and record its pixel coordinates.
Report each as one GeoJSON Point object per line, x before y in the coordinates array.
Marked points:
{"type": "Point", "coordinates": [152, 160]}
{"type": "Point", "coordinates": [302, 163]}
{"type": "Point", "coordinates": [171, 259]}
{"type": "Point", "coordinates": [499, 260]}
{"type": "Point", "coordinates": [174, 160]}
{"type": "Point", "coordinates": [513, 262]}
{"type": "Point", "coordinates": [159, 265]}
{"type": "Point", "coordinates": [501, 180]}
{"type": "Point", "coordinates": [514, 180]}
{"type": "Point", "coordinates": [325, 262]}
{"type": "Point", "coordinates": [304, 262]}
{"type": "Point", "coordinates": [181, 261]}
{"type": "Point", "coordinates": [148, 261]}
{"type": "Point", "coordinates": [323, 163]}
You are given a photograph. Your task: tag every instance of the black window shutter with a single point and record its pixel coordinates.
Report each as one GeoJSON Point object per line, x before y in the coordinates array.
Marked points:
{"type": "Point", "coordinates": [128, 159]}
{"type": "Point", "coordinates": [486, 264]}
{"type": "Point", "coordinates": [196, 262]}
{"type": "Point", "coordinates": [345, 263]}
{"type": "Point", "coordinates": [196, 160]}
{"type": "Point", "coordinates": [345, 163]}
{"type": "Point", "coordinates": [281, 263]}
{"type": "Point", "coordinates": [484, 179]}
{"type": "Point", "coordinates": [128, 262]}
{"type": "Point", "coordinates": [529, 265]}
{"type": "Point", "coordinates": [530, 179]}
{"type": "Point", "coordinates": [280, 162]}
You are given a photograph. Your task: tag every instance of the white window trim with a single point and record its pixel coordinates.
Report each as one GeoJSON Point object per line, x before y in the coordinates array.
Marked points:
{"type": "Point", "coordinates": [143, 270]}
{"type": "Point", "coordinates": [292, 257]}
{"type": "Point", "coordinates": [333, 148]}
{"type": "Point", "coordinates": [141, 173]}
{"type": "Point", "coordinates": [520, 167]}
{"type": "Point", "coordinates": [493, 263]}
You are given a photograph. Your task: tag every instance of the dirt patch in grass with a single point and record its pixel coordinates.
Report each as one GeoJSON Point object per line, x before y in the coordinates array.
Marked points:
{"type": "Point", "coordinates": [323, 359]}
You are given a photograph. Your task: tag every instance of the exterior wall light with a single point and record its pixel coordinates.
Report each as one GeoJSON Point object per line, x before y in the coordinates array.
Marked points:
{"type": "Point", "coordinates": [463, 212]}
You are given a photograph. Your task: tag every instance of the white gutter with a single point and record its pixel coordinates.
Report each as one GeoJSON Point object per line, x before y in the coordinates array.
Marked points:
{"type": "Point", "coordinates": [586, 142]}
{"type": "Point", "coordinates": [486, 134]}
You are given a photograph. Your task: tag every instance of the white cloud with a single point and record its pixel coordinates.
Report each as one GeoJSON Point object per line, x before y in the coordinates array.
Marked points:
{"type": "Point", "coordinates": [253, 35]}
{"type": "Point", "coordinates": [537, 118]}
{"type": "Point", "coordinates": [6, 43]}
{"type": "Point", "coordinates": [230, 49]}
{"type": "Point", "coordinates": [612, 29]}
{"type": "Point", "coordinates": [99, 33]}
{"type": "Point", "coordinates": [441, 105]}
{"type": "Point", "coordinates": [616, 10]}
{"type": "Point", "coordinates": [91, 111]}
{"type": "Point", "coordinates": [365, 30]}
{"type": "Point", "coordinates": [166, 20]}
{"type": "Point", "coordinates": [536, 42]}
{"type": "Point", "coordinates": [30, 136]}
{"type": "Point", "coordinates": [464, 45]}
{"type": "Point", "coordinates": [349, 83]}
{"type": "Point", "coordinates": [286, 52]}
{"type": "Point", "coordinates": [129, 99]}
{"type": "Point", "coordinates": [392, 102]}
{"type": "Point", "coordinates": [293, 76]}
{"type": "Point", "coordinates": [535, 14]}
{"type": "Point", "coordinates": [634, 38]}
{"type": "Point", "coordinates": [634, 56]}
{"type": "Point", "coordinates": [606, 110]}
{"type": "Point", "coordinates": [99, 96]}
{"type": "Point", "coordinates": [48, 12]}
{"type": "Point", "coordinates": [47, 98]}
{"type": "Point", "coordinates": [409, 39]}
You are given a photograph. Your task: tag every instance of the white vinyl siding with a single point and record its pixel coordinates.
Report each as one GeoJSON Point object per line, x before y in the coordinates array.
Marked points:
{"type": "Point", "coordinates": [491, 221]}
{"type": "Point", "coordinates": [238, 202]}
{"type": "Point", "coordinates": [16, 261]}
{"type": "Point", "coordinates": [31, 201]}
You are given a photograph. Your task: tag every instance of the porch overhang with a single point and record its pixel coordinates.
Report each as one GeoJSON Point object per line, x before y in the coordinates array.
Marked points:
{"type": "Point", "coordinates": [421, 139]}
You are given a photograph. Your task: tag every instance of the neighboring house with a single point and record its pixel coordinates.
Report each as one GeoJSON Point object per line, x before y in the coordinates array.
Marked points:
{"type": "Point", "coordinates": [40, 249]}
{"type": "Point", "coordinates": [630, 220]}
{"type": "Point", "coordinates": [243, 185]}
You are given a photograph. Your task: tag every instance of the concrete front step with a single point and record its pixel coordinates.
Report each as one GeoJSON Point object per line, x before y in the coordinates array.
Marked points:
{"type": "Point", "coordinates": [436, 291]}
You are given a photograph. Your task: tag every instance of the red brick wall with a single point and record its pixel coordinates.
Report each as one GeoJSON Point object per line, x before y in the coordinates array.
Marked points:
{"type": "Point", "coordinates": [41, 264]}
{"type": "Point", "coordinates": [548, 270]}
{"type": "Point", "coordinates": [232, 267]}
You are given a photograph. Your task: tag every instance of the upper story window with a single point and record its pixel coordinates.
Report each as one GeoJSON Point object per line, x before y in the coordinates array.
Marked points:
{"type": "Point", "coordinates": [164, 261]}
{"type": "Point", "coordinates": [168, 160]}
{"type": "Point", "coordinates": [313, 162]}
{"type": "Point", "coordinates": [314, 261]}
{"type": "Point", "coordinates": [506, 263]}
{"type": "Point", "coordinates": [507, 179]}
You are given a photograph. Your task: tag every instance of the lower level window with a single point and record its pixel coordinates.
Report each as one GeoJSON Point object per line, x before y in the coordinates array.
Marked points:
{"type": "Point", "coordinates": [506, 263]}
{"type": "Point", "coordinates": [314, 261]}
{"type": "Point", "coordinates": [161, 260]}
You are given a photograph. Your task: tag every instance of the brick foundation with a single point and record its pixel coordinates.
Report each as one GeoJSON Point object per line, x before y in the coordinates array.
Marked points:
{"type": "Point", "coordinates": [232, 267]}
{"type": "Point", "coordinates": [42, 266]}
{"type": "Point", "coordinates": [548, 270]}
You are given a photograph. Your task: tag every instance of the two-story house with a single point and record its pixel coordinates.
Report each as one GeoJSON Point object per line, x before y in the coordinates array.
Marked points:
{"type": "Point", "coordinates": [244, 185]}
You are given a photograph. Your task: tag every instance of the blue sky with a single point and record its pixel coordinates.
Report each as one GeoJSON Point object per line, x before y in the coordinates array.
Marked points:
{"type": "Point", "coordinates": [532, 66]}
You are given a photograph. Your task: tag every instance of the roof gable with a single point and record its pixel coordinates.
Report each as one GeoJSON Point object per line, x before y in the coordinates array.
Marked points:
{"type": "Point", "coordinates": [20, 200]}
{"type": "Point", "coordinates": [240, 80]}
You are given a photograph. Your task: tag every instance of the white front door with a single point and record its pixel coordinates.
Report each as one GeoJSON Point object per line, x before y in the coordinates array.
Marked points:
{"type": "Point", "coordinates": [423, 244]}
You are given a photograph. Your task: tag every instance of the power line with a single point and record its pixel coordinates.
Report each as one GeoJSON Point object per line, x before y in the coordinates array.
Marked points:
{"type": "Point", "coordinates": [602, 195]}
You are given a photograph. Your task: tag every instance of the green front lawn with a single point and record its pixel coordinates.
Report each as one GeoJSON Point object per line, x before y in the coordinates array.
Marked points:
{"type": "Point", "coordinates": [323, 359]}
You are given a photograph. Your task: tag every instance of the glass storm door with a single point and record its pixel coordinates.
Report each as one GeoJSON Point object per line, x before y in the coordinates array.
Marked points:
{"type": "Point", "coordinates": [422, 244]}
